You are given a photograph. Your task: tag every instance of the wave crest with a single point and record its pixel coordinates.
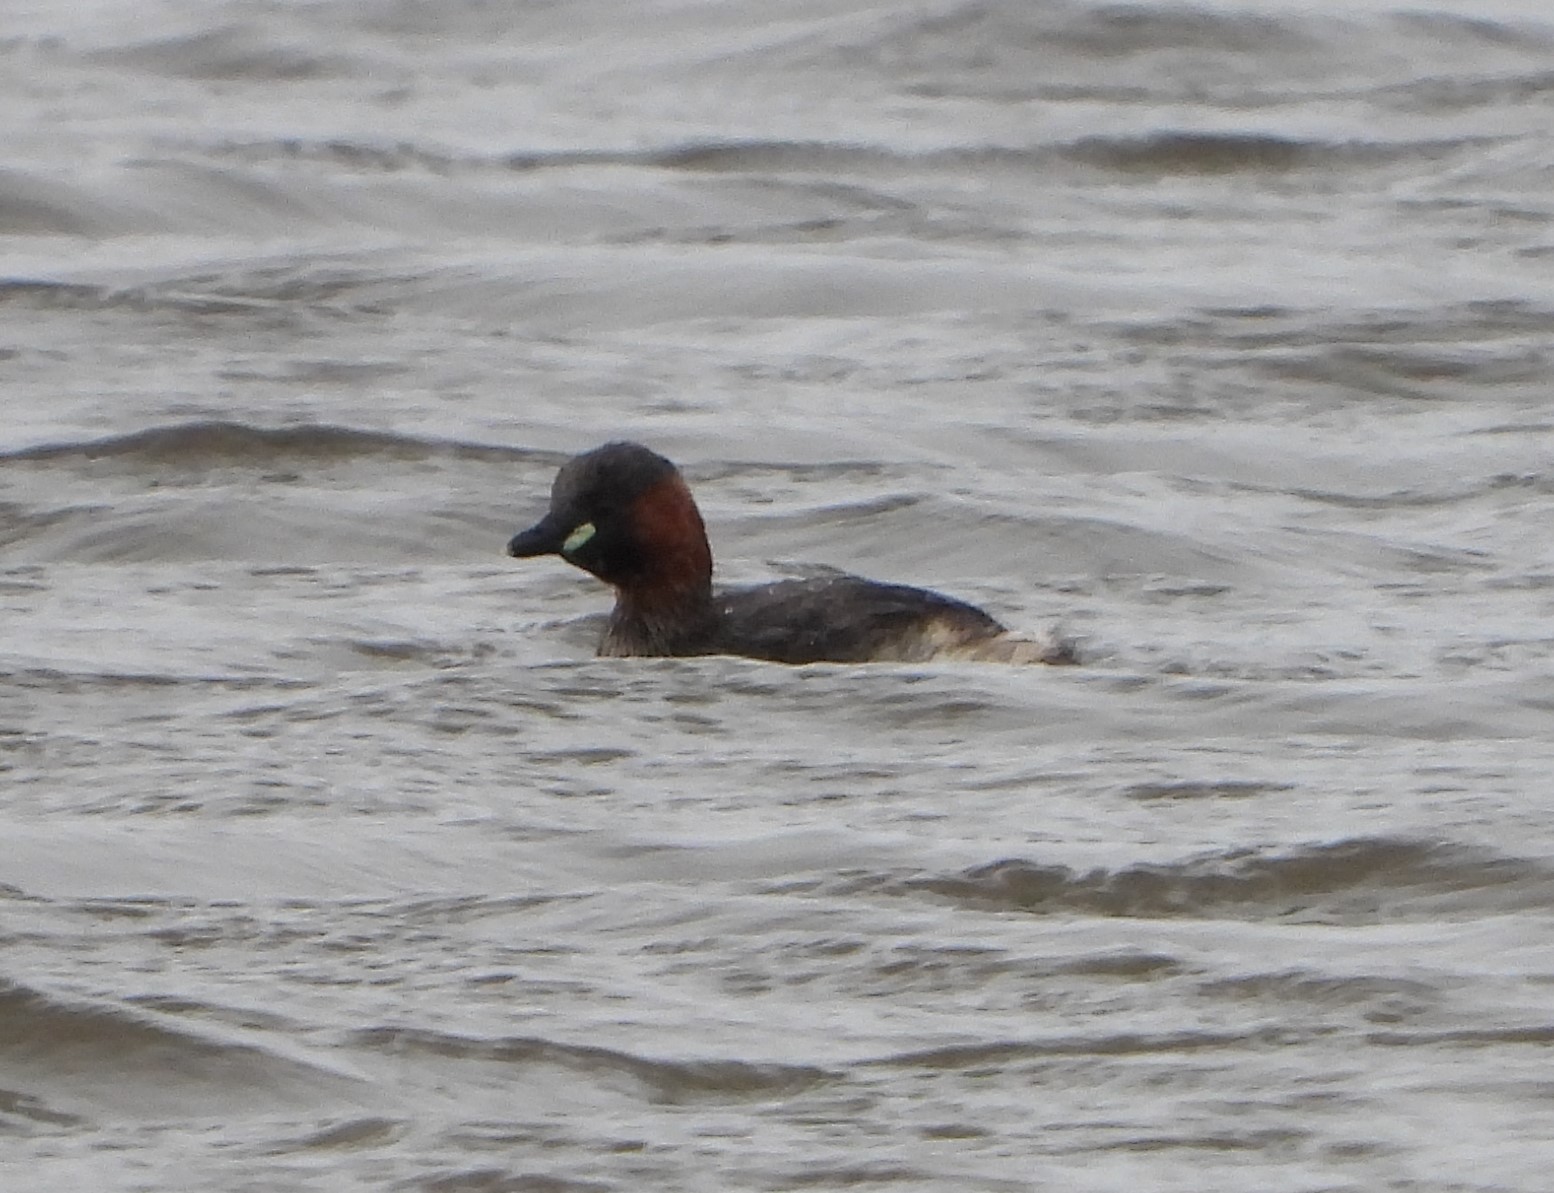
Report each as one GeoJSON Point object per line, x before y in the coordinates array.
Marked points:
{"type": "Point", "coordinates": [1359, 879]}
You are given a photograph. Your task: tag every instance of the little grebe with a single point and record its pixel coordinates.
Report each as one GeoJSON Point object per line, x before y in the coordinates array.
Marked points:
{"type": "Point", "coordinates": [625, 514]}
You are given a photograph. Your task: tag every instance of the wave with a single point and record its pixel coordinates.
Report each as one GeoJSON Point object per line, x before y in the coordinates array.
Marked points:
{"type": "Point", "coordinates": [192, 497]}
{"type": "Point", "coordinates": [268, 291]}
{"type": "Point", "coordinates": [902, 530]}
{"type": "Point", "coordinates": [222, 444]}
{"type": "Point", "coordinates": [32, 206]}
{"type": "Point", "coordinates": [64, 1056]}
{"type": "Point", "coordinates": [924, 534]}
{"type": "Point", "coordinates": [1147, 52]}
{"type": "Point", "coordinates": [1183, 150]}
{"type": "Point", "coordinates": [696, 191]}
{"type": "Point", "coordinates": [671, 1081]}
{"type": "Point", "coordinates": [171, 195]}
{"type": "Point", "coordinates": [1164, 151]}
{"type": "Point", "coordinates": [231, 53]}
{"type": "Point", "coordinates": [1446, 93]}
{"type": "Point", "coordinates": [1002, 1052]}
{"type": "Point", "coordinates": [1344, 881]}
{"type": "Point", "coordinates": [966, 40]}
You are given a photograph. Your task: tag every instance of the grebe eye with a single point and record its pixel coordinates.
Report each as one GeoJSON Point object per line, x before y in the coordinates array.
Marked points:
{"type": "Point", "coordinates": [577, 538]}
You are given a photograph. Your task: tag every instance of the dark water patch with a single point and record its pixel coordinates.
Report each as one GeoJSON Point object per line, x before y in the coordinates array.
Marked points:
{"type": "Point", "coordinates": [1165, 593]}
{"type": "Point", "coordinates": [1205, 789]}
{"type": "Point", "coordinates": [770, 156]}
{"type": "Point", "coordinates": [396, 650]}
{"type": "Point", "coordinates": [1448, 93]}
{"type": "Point", "coordinates": [1422, 372]}
{"type": "Point", "coordinates": [1157, 153]}
{"type": "Point", "coordinates": [1165, 153]}
{"type": "Point", "coordinates": [1519, 427]}
{"type": "Point", "coordinates": [996, 1054]}
{"type": "Point", "coordinates": [72, 682]}
{"type": "Point", "coordinates": [829, 159]}
{"type": "Point", "coordinates": [664, 1081]}
{"type": "Point", "coordinates": [1376, 999]}
{"type": "Point", "coordinates": [221, 444]}
{"type": "Point", "coordinates": [45, 295]}
{"type": "Point", "coordinates": [1412, 499]}
{"type": "Point", "coordinates": [849, 1176]}
{"type": "Point", "coordinates": [1355, 881]}
{"type": "Point", "coordinates": [1273, 1139]}
{"type": "Point", "coordinates": [1536, 1035]}
{"type": "Point", "coordinates": [961, 972]}
{"type": "Point", "coordinates": [364, 157]}
{"type": "Point", "coordinates": [500, 1180]}
{"type": "Point", "coordinates": [1473, 325]}
{"type": "Point", "coordinates": [1122, 964]}
{"type": "Point", "coordinates": [20, 1112]}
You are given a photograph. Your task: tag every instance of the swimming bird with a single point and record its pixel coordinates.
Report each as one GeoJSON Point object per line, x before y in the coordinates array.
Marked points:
{"type": "Point", "coordinates": [625, 514]}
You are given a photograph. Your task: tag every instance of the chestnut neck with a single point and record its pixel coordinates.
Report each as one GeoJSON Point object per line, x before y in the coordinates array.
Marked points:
{"type": "Point", "coordinates": [665, 606]}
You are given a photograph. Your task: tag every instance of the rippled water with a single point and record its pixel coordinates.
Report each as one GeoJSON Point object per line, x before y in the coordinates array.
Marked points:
{"type": "Point", "coordinates": [1218, 336]}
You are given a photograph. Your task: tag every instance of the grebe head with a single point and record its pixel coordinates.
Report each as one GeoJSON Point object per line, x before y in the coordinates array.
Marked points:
{"type": "Point", "coordinates": [625, 514]}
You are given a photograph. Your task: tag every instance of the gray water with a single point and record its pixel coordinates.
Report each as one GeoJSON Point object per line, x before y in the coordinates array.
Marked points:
{"type": "Point", "coordinates": [1217, 336]}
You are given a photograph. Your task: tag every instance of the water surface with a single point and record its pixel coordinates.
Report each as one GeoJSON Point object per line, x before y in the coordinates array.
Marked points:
{"type": "Point", "coordinates": [1218, 336]}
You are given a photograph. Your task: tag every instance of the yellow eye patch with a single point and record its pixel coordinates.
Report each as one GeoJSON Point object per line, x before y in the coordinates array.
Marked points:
{"type": "Point", "coordinates": [577, 538]}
